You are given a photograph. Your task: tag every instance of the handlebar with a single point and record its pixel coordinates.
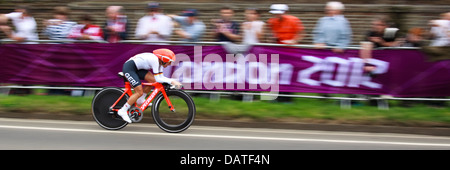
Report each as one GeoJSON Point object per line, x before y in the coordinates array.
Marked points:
{"type": "Point", "coordinates": [170, 86]}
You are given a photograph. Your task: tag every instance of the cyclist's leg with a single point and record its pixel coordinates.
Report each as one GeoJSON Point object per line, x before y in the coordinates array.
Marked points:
{"type": "Point", "coordinates": [131, 73]}
{"type": "Point", "coordinates": [147, 76]}
{"type": "Point", "coordinates": [151, 79]}
{"type": "Point", "coordinates": [123, 111]}
{"type": "Point", "coordinates": [138, 91]}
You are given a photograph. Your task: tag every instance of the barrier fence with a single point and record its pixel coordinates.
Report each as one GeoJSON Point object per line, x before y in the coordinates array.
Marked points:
{"type": "Point", "coordinates": [224, 68]}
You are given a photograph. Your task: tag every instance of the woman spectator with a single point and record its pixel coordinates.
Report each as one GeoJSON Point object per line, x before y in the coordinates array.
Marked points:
{"type": "Point", "coordinates": [59, 28]}
{"type": "Point", "coordinates": [253, 28]}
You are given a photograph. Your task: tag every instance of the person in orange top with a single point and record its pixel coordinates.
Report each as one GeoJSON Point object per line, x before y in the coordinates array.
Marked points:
{"type": "Point", "coordinates": [287, 29]}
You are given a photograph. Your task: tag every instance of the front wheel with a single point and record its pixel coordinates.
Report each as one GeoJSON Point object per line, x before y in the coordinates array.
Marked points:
{"type": "Point", "coordinates": [179, 120]}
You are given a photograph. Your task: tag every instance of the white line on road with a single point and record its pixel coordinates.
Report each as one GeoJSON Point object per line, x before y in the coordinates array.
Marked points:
{"type": "Point", "coordinates": [255, 130]}
{"type": "Point", "coordinates": [225, 136]}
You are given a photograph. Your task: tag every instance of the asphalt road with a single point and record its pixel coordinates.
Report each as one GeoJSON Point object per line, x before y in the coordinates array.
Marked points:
{"type": "Point", "coordinates": [58, 134]}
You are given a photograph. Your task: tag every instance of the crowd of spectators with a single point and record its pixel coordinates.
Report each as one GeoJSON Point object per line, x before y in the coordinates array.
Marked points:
{"type": "Point", "coordinates": [333, 30]}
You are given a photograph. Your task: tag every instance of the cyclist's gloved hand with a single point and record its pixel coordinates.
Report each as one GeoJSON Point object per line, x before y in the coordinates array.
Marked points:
{"type": "Point", "coordinates": [176, 85]}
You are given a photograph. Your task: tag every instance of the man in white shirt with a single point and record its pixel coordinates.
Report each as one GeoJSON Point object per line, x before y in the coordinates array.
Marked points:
{"type": "Point", "coordinates": [155, 26]}
{"type": "Point", "coordinates": [24, 23]}
{"type": "Point", "coordinates": [440, 30]}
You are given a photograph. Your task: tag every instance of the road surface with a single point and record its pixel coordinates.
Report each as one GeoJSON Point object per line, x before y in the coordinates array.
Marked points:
{"type": "Point", "coordinates": [58, 134]}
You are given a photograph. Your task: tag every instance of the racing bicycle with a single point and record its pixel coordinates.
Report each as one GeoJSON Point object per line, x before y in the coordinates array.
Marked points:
{"type": "Point", "coordinates": [173, 110]}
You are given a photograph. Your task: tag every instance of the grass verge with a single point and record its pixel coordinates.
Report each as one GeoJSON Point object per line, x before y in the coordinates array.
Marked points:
{"type": "Point", "coordinates": [300, 110]}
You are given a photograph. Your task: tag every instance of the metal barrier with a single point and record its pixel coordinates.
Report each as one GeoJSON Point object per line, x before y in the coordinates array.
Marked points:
{"type": "Point", "coordinates": [345, 101]}
{"type": "Point", "coordinates": [195, 43]}
{"type": "Point", "coordinates": [53, 41]}
{"type": "Point", "coordinates": [243, 93]}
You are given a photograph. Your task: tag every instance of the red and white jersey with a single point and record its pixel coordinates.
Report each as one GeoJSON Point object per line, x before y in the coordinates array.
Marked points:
{"type": "Point", "coordinates": [149, 61]}
{"type": "Point", "coordinates": [94, 31]}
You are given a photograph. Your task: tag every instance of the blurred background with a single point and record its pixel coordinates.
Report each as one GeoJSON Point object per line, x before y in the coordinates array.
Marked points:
{"type": "Point", "coordinates": [408, 16]}
{"type": "Point", "coordinates": [404, 13]}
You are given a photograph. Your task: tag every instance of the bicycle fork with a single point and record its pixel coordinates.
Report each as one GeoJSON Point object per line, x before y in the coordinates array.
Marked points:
{"type": "Point", "coordinates": [168, 102]}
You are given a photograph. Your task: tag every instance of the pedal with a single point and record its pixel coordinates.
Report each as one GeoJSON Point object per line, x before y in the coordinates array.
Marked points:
{"type": "Point", "coordinates": [135, 114]}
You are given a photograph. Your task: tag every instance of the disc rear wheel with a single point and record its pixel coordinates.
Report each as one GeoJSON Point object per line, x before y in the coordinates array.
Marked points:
{"type": "Point", "coordinates": [101, 108]}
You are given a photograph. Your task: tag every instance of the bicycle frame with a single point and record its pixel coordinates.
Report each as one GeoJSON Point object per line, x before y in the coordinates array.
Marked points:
{"type": "Point", "coordinates": [158, 88]}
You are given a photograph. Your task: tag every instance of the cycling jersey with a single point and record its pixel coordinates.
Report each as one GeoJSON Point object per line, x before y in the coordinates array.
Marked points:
{"type": "Point", "coordinates": [140, 64]}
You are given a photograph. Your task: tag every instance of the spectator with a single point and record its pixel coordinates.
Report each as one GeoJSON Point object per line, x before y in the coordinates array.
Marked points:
{"type": "Point", "coordinates": [414, 38]}
{"type": "Point", "coordinates": [86, 30]}
{"type": "Point", "coordinates": [155, 26]}
{"type": "Point", "coordinates": [23, 21]}
{"type": "Point", "coordinates": [440, 31]}
{"type": "Point", "coordinates": [3, 22]}
{"type": "Point", "coordinates": [440, 34]}
{"type": "Point", "coordinates": [60, 27]}
{"type": "Point", "coordinates": [253, 28]}
{"type": "Point", "coordinates": [25, 30]}
{"type": "Point", "coordinates": [191, 28]}
{"type": "Point", "coordinates": [224, 28]}
{"type": "Point", "coordinates": [287, 29]}
{"type": "Point", "coordinates": [333, 29]}
{"type": "Point", "coordinates": [381, 35]}
{"type": "Point", "coordinates": [116, 25]}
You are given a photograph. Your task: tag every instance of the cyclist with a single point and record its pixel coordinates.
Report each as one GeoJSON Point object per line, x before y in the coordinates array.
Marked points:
{"type": "Point", "coordinates": [137, 68]}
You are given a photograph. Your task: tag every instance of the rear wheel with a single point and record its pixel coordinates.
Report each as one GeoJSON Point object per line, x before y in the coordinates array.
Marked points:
{"type": "Point", "coordinates": [102, 112]}
{"type": "Point", "coordinates": [179, 120]}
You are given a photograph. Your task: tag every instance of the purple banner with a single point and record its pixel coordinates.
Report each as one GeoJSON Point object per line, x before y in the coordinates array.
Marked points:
{"type": "Point", "coordinates": [402, 73]}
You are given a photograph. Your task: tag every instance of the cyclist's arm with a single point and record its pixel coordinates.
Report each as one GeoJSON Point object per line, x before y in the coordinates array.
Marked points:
{"type": "Point", "coordinates": [157, 71]}
{"type": "Point", "coordinates": [160, 78]}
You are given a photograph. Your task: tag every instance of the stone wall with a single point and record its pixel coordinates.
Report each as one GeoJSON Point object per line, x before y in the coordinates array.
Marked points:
{"type": "Point", "coordinates": [359, 12]}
